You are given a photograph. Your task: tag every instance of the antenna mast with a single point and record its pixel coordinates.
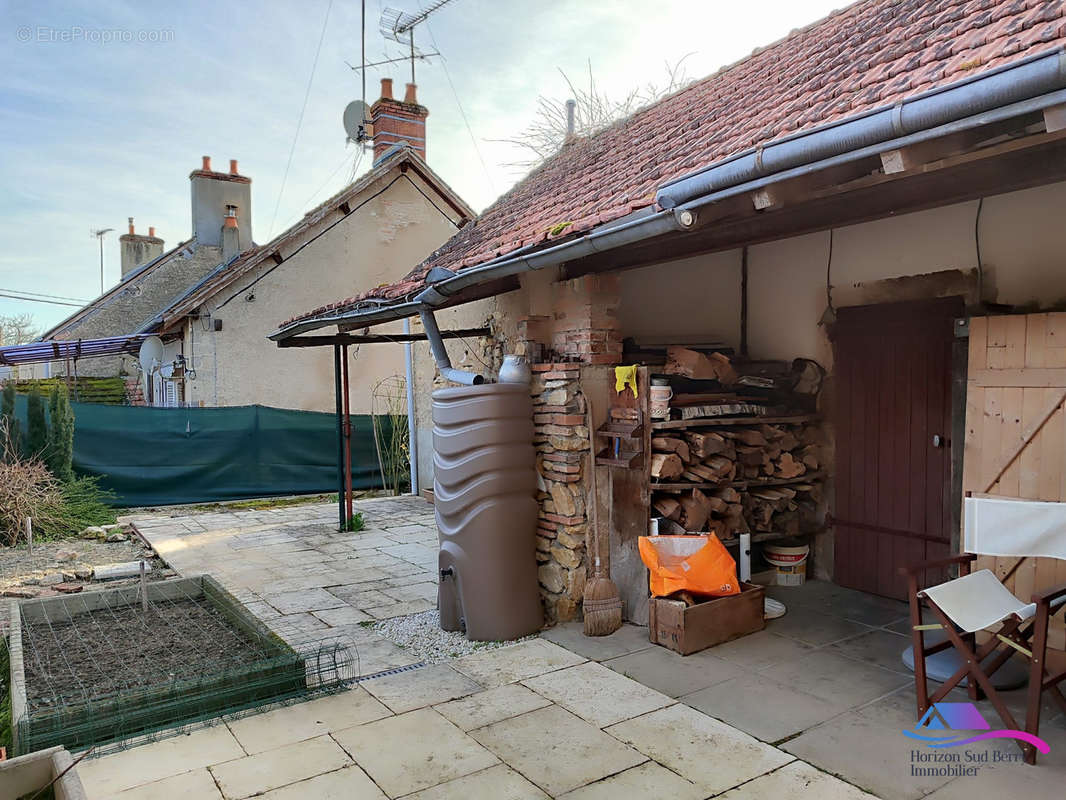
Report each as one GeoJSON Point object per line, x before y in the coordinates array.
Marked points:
{"type": "Point", "coordinates": [400, 27]}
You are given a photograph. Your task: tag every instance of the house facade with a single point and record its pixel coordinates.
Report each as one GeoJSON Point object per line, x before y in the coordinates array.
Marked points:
{"type": "Point", "coordinates": [878, 193]}
{"type": "Point", "coordinates": [213, 298]}
{"type": "Point", "coordinates": [395, 214]}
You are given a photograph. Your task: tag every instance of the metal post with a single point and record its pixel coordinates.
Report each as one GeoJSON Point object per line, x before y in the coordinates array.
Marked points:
{"type": "Point", "coordinates": [412, 438]}
{"type": "Point", "coordinates": [29, 535]}
{"type": "Point", "coordinates": [340, 436]}
{"type": "Point", "coordinates": [100, 239]}
{"type": "Point", "coordinates": [144, 590]}
{"type": "Point", "coordinates": [347, 436]}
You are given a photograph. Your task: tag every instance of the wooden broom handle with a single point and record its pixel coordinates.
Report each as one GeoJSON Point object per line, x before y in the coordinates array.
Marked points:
{"type": "Point", "coordinates": [594, 515]}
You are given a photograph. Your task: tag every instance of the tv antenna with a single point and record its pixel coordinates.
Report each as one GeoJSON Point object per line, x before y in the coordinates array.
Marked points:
{"type": "Point", "coordinates": [399, 26]}
{"type": "Point", "coordinates": [99, 234]}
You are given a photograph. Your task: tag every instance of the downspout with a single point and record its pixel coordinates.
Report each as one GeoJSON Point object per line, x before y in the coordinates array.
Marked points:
{"type": "Point", "coordinates": [412, 433]}
{"type": "Point", "coordinates": [440, 353]}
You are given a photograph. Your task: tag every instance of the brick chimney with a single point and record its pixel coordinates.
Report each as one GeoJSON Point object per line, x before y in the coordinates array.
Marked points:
{"type": "Point", "coordinates": [138, 249]}
{"type": "Point", "coordinates": [212, 194]}
{"type": "Point", "coordinates": [398, 121]}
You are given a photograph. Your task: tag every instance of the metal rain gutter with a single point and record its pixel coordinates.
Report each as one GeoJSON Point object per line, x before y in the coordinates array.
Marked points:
{"type": "Point", "coordinates": [609, 238]}
{"type": "Point", "coordinates": [976, 121]}
{"type": "Point", "coordinates": [997, 88]}
{"type": "Point", "coordinates": [1024, 86]}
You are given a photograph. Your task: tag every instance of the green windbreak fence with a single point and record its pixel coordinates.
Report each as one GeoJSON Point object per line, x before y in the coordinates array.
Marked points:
{"type": "Point", "coordinates": [160, 456]}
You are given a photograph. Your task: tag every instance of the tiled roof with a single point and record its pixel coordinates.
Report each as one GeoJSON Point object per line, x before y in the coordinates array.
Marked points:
{"type": "Point", "coordinates": [868, 55]}
{"type": "Point", "coordinates": [127, 286]}
{"type": "Point", "coordinates": [400, 157]}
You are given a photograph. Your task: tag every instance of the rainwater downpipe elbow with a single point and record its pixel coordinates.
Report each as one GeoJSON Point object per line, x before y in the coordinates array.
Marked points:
{"type": "Point", "coordinates": [440, 353]}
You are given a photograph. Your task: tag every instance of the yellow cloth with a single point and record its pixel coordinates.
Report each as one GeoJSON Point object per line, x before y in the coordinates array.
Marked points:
{"type": "Point", "coordinates": [625, 376]}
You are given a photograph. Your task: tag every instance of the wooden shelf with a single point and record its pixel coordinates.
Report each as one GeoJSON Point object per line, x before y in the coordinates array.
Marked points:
{"type": "Point", "coordinates": [627, 460]}
{"type": "Point", "coordinates": [621, 430]}
{"type": "Point", "coordinates": [710, 422]}
{"type": "Point", "coordinates": [752, 483]}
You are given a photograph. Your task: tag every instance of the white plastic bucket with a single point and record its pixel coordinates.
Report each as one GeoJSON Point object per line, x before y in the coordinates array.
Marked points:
{"type": "Point", "coordinates": [790, 563]}
{"type": "Point", "coordinates": [660, 401]}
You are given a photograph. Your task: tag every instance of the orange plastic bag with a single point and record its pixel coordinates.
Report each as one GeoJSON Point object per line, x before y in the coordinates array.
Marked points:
{"type": "Point", "coordinates": [697, 564]}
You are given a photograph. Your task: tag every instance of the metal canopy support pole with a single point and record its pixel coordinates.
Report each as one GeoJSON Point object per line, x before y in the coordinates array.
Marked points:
{"type": "Point", "coordinates": [347, 436]}
{"type": "Point", "coordinates": [412, 437]}
{"type": "Point", "coordinates": [340, 436]}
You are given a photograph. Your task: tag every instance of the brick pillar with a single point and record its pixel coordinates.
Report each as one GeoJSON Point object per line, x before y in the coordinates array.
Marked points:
{"type": "Point", "coordinates": [586, 326]}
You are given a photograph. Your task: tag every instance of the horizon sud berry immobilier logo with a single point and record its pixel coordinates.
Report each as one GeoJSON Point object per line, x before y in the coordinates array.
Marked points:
{"type": "Point", "coordinates": [950, 725]}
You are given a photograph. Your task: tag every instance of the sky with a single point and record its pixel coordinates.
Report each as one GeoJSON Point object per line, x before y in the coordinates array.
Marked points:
{"type": "Point", "coordinates": [106, 106]}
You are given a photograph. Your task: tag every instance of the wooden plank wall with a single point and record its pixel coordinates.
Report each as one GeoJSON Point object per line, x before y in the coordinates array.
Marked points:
{"type": "Point", "coordinates": [1017, 372]}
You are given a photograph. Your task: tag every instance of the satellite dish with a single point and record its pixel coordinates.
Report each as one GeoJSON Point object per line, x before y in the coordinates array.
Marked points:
{"type": "Point", "coordinates": [357, 120]}
{"type": "Point", "coordinates": [151, 353]}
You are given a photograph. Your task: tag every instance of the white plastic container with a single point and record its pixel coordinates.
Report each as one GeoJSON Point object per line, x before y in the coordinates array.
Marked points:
{"type": "Point", "coordinates": [660, 396]}
{"type": "Point", "coordinates": [790, 563]}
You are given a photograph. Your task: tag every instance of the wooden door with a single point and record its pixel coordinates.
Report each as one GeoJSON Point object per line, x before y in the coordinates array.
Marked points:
{"type": "Point", "coordinates": [893, 452]}
{"type": "Point", "coordinates": [1017, 374]}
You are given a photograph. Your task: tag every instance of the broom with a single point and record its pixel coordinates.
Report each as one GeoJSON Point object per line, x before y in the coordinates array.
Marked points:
{"type": "Point", "coordinates": [602, 605]}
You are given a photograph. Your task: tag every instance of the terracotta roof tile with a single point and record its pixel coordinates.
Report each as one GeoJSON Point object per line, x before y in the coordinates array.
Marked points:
{"type": "Point", "coordinates": [870, 53]}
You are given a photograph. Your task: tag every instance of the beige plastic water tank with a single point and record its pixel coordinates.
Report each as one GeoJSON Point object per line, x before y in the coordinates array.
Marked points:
{"type": "Point", "coordinates": [484, 484]}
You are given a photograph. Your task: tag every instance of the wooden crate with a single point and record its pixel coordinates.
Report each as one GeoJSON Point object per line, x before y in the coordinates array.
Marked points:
{"type": "Point", "coordinates": [689, 629]}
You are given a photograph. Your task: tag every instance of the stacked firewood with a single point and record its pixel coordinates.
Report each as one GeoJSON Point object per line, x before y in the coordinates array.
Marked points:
{"type": "Point", "coordinates": [740, 470]}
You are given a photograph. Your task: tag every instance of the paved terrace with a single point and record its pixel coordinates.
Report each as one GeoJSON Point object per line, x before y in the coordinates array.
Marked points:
{"type": "Point", "coordinates": [812, 707]}
{"type": "Point", "coordinates": [309, 582]}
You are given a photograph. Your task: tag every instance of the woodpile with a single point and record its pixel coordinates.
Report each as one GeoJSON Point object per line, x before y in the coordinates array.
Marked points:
{"type": "Point", "coordinates": [748, 478]}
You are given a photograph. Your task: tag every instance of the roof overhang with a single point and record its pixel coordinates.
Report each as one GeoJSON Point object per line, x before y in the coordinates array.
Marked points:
{"type": "Point", "coordinates": [1003, 131]}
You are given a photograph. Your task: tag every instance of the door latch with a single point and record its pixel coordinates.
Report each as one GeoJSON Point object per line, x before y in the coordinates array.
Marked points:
{"type": "Point", "coordinates": [938, 440]}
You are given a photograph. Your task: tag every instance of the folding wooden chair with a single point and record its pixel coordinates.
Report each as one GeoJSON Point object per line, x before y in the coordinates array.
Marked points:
{"type": "Point", "coordinates": [978, 601]}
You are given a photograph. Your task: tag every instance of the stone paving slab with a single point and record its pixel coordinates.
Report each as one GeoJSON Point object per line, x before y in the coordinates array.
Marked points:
{"type": "Point", "coordinates": [556, 750]}
{"type": "Point", "coordinates": [596, 694]}
{"type": "Point", "coordinates": [406, 691]}
{"type": "Point", "coordinates": [256, 774]}
{"type": "Point", "coordinates": [709, 753]}
{"type": "Point", "coordinates": [518, 662]}
{"type": "Point", "coordinates": [494, 705]}
{"type": "Point", "coordinates": [495, 783]}
{"type": "Point", "coordinates": [414, 751]}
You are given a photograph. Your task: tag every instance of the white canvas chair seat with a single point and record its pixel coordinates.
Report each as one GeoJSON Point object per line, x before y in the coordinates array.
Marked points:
{"type": "Point", "coordinates": [977, 601]}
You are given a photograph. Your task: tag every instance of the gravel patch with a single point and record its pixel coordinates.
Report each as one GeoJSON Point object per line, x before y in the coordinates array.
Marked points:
{"type": "Point", "coordinates": [421, 635]}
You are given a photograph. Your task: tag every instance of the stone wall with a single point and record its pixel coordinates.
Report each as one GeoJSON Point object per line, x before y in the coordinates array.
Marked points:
{"type": "Point", "coordinates": [561, 441]}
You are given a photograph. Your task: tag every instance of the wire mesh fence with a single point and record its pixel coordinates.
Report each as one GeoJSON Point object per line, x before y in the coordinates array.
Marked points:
{"type": "Point", "coordinates": [116, 667]}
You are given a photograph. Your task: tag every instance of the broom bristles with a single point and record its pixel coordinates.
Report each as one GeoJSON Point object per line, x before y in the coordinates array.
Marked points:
{"type": "Point", "coordinates": [602, 607]}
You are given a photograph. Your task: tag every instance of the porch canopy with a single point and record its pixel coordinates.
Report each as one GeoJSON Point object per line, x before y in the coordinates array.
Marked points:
{"type": "Point", "coordinates": [60, 349]}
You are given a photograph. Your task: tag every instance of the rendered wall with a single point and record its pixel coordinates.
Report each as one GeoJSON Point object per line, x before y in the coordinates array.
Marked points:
{"type": "Point", "coordinates": [377, 243]}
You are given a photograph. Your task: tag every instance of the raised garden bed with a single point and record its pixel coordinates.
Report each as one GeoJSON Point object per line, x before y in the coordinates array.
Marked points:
{"type": "Point", "coordinates": [100, 667]}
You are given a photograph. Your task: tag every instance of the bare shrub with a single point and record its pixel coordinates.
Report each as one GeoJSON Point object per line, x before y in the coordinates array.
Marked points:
{"type": "Point", "coordinates": [27, 489]}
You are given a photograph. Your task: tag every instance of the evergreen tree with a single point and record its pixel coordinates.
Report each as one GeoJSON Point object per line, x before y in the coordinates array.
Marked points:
{"type": "Point", "coordinates": [11, 426]}
{"type": "Point", "coordinates": [60, 454]}
{"type": "Point", "coordinates": [36, 425]}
